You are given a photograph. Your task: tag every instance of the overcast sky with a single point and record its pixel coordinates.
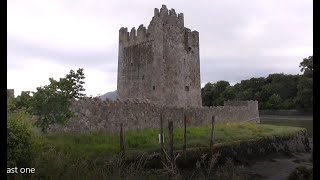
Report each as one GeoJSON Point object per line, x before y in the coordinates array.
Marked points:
{"type": "Point", "coordinates": [238, 39]}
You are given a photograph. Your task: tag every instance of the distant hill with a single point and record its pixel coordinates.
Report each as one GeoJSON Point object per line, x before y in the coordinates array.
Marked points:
{"type": "Point", "coordinates": [110, 95]}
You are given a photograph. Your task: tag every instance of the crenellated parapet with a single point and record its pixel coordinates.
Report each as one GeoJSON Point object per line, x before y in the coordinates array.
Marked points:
{"type": "Point", "coordinates": [141, 32]}
{"type": "Point", "coordinates": [168, 17]}
{"type": "Point", "coordinates": [123, 34]}
{"type": "Point", "coordinates": [134, 36]}
{"type": "Point", "coordinates": [163, 16]}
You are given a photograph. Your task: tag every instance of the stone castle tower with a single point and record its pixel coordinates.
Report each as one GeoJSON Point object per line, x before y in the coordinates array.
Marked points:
{"type": "Point", "coordinates": [160, 63]}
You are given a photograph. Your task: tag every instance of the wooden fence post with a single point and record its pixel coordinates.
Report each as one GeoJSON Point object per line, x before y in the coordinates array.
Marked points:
{"type": "Point", "coordinates": [212, 129]}
{"type": "Point", "coordinates": [185, 135]}
{"type": "Point", "coordinates": [122, 142]}
{"type": "Point", "coordinates": [171, 141]}
{"type": "Point", "coordinates": [161, 135]}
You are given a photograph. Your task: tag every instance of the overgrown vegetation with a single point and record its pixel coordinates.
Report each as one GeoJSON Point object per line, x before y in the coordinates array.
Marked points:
{"type": "Point", "coordinates": [138, 142]}
{"type": "Point", "coordinates": [308, 124]}
{"type": "Point", "coordinates": [277, 91]}
{"type": "Point", "coordinates": [26, 146]}
{"type": "Point", "coordinates": [77, 156]}
{"type": "Point", "coordinates": [20, 139]}
{"type": "Point", "coordinates": [206, 168]}
{"type": "Point", "coordinates": [51, 103]}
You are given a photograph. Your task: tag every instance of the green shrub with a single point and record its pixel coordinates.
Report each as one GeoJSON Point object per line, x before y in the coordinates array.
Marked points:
{"type": "Point", "coordinates": [20, 134]}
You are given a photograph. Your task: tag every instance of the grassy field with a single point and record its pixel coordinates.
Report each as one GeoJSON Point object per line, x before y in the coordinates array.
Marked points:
{"type": "Point", "coordinates": [84, 156]}
{"type": "Point", "coordinates": [102, 144]}
{"type": "Point", "coordinates": [289, 121]}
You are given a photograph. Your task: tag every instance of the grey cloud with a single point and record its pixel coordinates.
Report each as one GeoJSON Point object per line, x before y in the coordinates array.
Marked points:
{"type": "Point", "coordinates": [229, 48]}
{"type": "Point", "coordinates": [105, 59]}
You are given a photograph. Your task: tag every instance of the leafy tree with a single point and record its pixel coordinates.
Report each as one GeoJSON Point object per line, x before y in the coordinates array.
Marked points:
{"type": "Point", "coordinates": [274, 101]}
{"type": "Point", "coordinates": [255, 84]}
{"type": "Point", "coordinates": [220, 86]}
{"type": "Point", "coordinates": [307, 66]}
{"type": "Point", "coordinates": [218, 89]}
{"type": "Point", "coordinates": [284, 85]}
{"type": "Point", "coordinates": [287, 104]}
{"type": "Point", "coordinates": [263, 96]}
{"type": "Point", "coordinates": [229, 93]}
{"type": "Point", "coordinates": [304, 99]}
{"type": "Point", "coordinates": [211, 93]}
{"type": "Point", "coordinates": [244, 95]}
{"type": "Point", "coordinates": [51, 103]}
{"type": "Point", "coordinates": [206, 94]}
{"type": "Point", "coordinates": [72, 85]}
{"type": "Point", "coordinates": [23, 101]}
{"type": "Point", "coordinates": [50, 107]}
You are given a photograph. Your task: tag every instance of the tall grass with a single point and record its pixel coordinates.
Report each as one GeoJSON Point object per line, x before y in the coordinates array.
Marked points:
{"type": "Point", "coordinates": [308, 124]}
{"type": "Point", "coordinates": [107, 144]}
{"type": "Point", "coordinates": [76, 156]}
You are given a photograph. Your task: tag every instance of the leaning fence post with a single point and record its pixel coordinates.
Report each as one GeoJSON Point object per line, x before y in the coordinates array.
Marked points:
{"type": "Point", "coordinates": [185, 134]}
{"type": "Point", "coordinates": [171, 141]}
{"type": "Point", "coordinates": [212, 137]}
{"type": "Point", "coordinates": [122, 149]}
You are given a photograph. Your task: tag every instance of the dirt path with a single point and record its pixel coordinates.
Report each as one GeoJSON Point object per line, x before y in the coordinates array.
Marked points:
{"type": "Point", "coordinates": [279, 168]}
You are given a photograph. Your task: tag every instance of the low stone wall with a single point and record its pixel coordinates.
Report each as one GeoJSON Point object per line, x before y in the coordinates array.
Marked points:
{"type": "Point", "coordinates": [94, 115]}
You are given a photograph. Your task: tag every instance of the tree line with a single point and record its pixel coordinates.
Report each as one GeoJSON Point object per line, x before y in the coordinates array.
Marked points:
{"type": "Point", "coordinates": [277, 91]}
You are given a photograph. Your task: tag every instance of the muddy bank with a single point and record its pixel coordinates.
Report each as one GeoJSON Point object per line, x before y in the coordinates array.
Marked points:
{"type": "Point", "coordinates": [280, 166]}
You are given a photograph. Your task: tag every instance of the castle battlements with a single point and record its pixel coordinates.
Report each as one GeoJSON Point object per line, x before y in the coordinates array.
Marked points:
{"type": "Point", "coordinates": [143, 71]}
{"type": "Point", "coordinates": [162, 16]}
{"type": "Point", "coordinates": [167, 16]}
{"type": "Point", "coordinates": [134, 35]}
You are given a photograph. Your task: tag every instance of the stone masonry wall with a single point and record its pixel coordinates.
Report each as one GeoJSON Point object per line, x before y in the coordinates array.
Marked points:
{"type": "Point", "coordinates": [94, 115]}
{"type": "Point", "coordinates": [160, 62]}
